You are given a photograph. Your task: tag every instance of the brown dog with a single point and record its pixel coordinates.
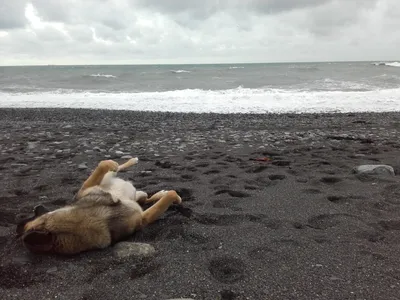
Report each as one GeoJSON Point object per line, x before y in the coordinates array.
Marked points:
{"type": "Point", "coordinates": [105, 211]}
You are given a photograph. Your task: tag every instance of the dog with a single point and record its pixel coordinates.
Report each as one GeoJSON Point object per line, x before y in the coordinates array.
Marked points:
{"type": "Point", "coordinates": [105, 210]}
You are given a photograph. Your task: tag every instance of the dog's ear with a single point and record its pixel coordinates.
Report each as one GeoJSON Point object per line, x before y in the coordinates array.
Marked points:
{"type": "Point", "coordinates": [22, 220]}
{"type": "Point", "coordinates": [38, 241]}
{"type": "Point", "coordinates": [40, 210]}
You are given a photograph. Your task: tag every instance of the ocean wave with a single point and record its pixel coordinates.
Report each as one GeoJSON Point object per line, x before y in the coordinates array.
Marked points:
{"type": "Point", "coordinates": [103, 75]}
{"type": "Point", "coordinates": [304, 68]}
{"type": "Point", "coordinates": [180, 71]}
{"type": "Point", "coordinates": [390, 64]}
{"type": "Point", "coordinates": [239, 100]}
{"type": "Point", "coordinates": [232, 68]}
{"type": "Point", "coordinates": [340, 85]}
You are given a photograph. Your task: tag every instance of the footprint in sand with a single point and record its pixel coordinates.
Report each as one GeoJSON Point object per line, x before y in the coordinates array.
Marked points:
{"type": "Point", "coordinates": [227, 269]}
{"type": "Point", "coordinates": [391, 194]}
{"type": "Point", "coordinates": [312, 191]}
{"type": "Point", "coordinates": [227, 219]}
{"type": "Point", "coordinates": [232, 193]}
{"type": "Point", "coordinates": [186, 194]}
{"type": "Point", "coordinates": [213, 171]}
{"type": "Point", "coordinates": [203, 165]}
{"type": "Point", "coordinates": [256, 169]}
{"type": "Point", "coordinates": [260, 253]}
{"type": "Point", "coordinates": [330, 179]}
{"type": "Point", "coordinates": [337, 199]}
{"type": "Point", "coordinates": [226, 203]}
{"type": "Point", "coordinates": [277, 177]}
{"type": "Point", "coordinates": [326, 221]}
{"type": "Point", "coordinates": [390, 225]}
{"type": "Point", "coordinates": [188, 177]}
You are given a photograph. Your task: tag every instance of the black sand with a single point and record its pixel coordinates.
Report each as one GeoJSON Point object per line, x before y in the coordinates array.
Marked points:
{"type": "Point", "coordinates": [299, 226]}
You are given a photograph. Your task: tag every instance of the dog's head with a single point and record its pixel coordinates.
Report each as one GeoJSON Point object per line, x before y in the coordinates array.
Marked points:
{"type": "Point", "coordinates": [32, 230]}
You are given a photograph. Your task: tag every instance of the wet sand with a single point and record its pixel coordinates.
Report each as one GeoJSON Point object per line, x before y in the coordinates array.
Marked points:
{"type": "Point", "coordinates": [271, 206]}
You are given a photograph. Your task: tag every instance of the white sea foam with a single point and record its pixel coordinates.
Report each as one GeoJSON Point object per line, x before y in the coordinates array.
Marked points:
{"type": "Point", "coordinates": [389, 64]}
{"type": "Point", "coordinates": [103, 75]}
{"type": "Point", "coordinates": [239, 100]}
{"type": "Point", "coordinates": [180, 71]}
{"type": "Point", "coordinates": [233, 68]}
{"type": "Point", "coordinates": [394, 64]}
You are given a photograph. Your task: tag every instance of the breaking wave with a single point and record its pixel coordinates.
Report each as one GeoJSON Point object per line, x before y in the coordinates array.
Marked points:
{"type": "Point", "coordinates": [103, 75]}
{"type": "Point", "coordinates": [238, 100]}
{"type": "Point", "coordinates": [180, 71]}
{"type": "Point", "coordinates": [390, 64]}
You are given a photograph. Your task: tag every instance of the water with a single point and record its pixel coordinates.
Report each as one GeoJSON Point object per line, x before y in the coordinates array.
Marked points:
{"type": "Point", "coordinates": [228, 88]}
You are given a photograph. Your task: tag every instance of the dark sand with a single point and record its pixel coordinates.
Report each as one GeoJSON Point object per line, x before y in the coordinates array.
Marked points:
{"type": "Point", "coordinates": [301, 226]}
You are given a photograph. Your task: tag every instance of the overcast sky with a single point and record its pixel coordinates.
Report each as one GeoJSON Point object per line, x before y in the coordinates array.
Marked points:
{"type": "Point", "coordinates": [197, 31]}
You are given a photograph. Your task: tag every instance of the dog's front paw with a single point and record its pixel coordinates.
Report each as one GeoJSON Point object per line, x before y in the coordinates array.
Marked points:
{"type": "Point", "coordinates": [134, 160]}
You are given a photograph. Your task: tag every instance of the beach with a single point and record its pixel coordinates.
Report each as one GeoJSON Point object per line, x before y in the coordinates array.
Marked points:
{"type": "Point", "coordinates": [272, 208]}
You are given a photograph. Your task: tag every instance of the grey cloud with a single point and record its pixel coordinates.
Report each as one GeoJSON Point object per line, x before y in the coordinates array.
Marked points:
{"type": "Point", "coordinates": [212, 30]}
{"type": "Point", "coordinates": [328, 19]}
{"type": "Point", "coordinates": [205, 8]}
{"type": "Point", "coordinates": [12, 14]}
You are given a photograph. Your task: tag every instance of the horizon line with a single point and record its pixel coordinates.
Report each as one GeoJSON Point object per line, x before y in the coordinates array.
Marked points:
{"type": "Point", "coordinates": [188, 64]}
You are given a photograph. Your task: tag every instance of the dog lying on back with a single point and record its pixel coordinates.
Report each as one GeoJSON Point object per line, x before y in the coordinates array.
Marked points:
{"type": "Point", "coordinates": [106, 209]}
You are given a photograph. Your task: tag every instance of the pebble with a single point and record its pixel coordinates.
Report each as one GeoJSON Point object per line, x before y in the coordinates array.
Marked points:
{"type": "Point", "coordinates": [32, 145]}
{"type": "Point", "coordinates": [52, 270]}
{"type": "Point", "coordinates": [133, 250]}
{"type": "Point", "coordinates": [4, 232]}
{"type": "Point", "coordinates": [119, 153]}
{"type": "Point", "coordinates": [82, 166]}
{"type": "Point", "coordinates": [21, 259]}
{"type": "Point", "coordinates": [375, 170]}
{"type": "Point", "coordinates": [126, 157]}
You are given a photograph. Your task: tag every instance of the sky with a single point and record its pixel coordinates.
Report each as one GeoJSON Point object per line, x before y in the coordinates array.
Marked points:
{"type": "Point", "coordinates": [192, 31]}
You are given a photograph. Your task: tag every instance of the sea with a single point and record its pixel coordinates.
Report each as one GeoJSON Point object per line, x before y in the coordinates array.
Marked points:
{"type": "Point", "coordinates": [211, 88]}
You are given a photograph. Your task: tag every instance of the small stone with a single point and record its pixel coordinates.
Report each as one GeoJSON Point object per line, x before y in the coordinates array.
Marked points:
{"type": "Point", "coordinates": [4, 232]}
{"type": "Point", "coordinates": [133, 250]}
{"type": "Point", "coordinates": [32, 145]}
{"type": "Point", "coordinates": [18, 165]}
{"type": "Point", "coordinates": [318, 265]}
{"type": "Point", "coordinates": [126, 157]}
{"type": "Point", "coordinates": [67, 126]}
{"type": "Point", "coordinates": [301, 179]}
{"type": "Point", "coordinates": [119, 153]}
{"type": "Point", "coordinates": [21, 259]}
{"type": "Point", "coordinates": [334, 278]}
{"type": "Point", "coordinates": [52, 270]}
{"type": "Point", "coordinates": [375, 170]}
{"type": "Point", "coordinates": [82, 166]}
{"type": "Point", "coordinates": [97, 149]}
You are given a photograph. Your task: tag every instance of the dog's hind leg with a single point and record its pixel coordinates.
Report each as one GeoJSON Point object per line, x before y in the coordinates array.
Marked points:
{"type": "Point", "coordinates": [154, 212]}
{"type": "Point", "coordinates": [97, 176]}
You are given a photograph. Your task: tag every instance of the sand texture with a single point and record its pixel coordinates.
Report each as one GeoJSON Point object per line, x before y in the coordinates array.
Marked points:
{"type": "Point", "coordinates": [272, 208]}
